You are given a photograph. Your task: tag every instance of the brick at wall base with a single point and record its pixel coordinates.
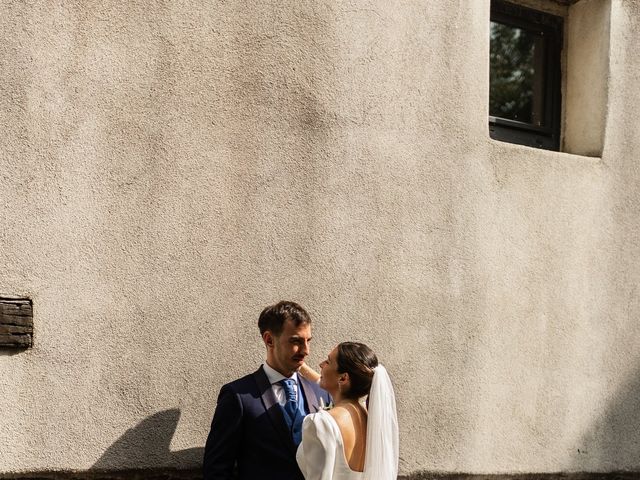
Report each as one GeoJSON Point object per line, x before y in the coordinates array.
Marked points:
{"type": "Point", "coordinates": [196, 474]}
{"type": "Point", "coordinates": [143, 474]}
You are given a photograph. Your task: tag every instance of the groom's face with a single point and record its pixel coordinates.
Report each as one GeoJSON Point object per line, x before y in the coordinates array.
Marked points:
{"type": "Point", "coordinates": [286, 352]}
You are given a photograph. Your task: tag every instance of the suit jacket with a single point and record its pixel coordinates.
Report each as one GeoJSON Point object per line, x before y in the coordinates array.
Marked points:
{"type": "Point", "coordinates": [249, 431]}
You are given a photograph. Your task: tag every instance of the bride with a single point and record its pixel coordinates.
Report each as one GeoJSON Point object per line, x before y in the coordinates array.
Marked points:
{"type": "Point", "coordinates": [351, 441]}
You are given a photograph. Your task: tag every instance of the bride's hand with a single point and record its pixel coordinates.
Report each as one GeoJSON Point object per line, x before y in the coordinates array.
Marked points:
{"type": "Point", "coordinates": [309, 373]}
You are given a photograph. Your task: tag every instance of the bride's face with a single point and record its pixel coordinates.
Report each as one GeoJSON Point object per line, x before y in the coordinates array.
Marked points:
{"type": "Point", "coordinates": [329, 375]}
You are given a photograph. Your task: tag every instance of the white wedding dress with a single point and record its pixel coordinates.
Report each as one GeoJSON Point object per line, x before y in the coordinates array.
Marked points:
{"type": "Point", "coordinates": [321, 455]}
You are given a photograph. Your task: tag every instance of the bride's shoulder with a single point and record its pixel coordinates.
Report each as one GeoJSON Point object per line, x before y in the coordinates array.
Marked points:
{"type": "Point", "coordinates": [348, 415]}
{"type": "Point", "coordinates": [339, 414]}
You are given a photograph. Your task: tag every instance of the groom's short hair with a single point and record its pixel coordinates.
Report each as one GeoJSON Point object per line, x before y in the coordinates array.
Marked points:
{"type": "Point", "coordinates": [273, 317]}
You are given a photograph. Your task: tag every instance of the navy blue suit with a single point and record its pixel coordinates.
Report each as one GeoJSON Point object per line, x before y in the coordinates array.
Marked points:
{"type": "Point", "coordinates": [249, 431]}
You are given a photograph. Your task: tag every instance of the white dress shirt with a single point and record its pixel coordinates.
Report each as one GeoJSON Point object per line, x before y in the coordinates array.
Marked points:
{"type": "Point", "coordinates": [278, 390]}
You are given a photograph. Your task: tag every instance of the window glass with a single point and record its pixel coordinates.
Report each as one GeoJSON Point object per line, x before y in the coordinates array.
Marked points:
{"type": "Point", "coordinates": [515, 81]}
{"type": "Point", "coordinates": [524, 84]}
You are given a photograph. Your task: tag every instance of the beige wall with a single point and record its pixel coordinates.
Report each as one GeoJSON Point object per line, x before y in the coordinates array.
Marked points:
{"type": "Point", "coordinates": [169, 168]}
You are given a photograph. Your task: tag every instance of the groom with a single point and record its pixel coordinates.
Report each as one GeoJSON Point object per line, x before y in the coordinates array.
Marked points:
{"type": "Point", "coordinates": [258, 419]}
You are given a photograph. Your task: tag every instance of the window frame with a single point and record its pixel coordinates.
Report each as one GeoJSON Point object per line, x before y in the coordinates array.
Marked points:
{"type": "Point", "coordinates": [546, 136]}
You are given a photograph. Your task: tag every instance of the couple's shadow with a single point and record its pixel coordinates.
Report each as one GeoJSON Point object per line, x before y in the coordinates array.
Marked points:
{"type": "Point", "coordinates": [147, 445]}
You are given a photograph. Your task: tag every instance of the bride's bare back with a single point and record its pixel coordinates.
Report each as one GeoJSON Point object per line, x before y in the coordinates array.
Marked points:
{"type": "Point", "coordinates": [351, 418]}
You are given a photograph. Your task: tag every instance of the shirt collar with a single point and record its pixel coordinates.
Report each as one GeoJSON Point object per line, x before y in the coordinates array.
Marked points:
{"type": "Point", "coordinates": [274, 376]}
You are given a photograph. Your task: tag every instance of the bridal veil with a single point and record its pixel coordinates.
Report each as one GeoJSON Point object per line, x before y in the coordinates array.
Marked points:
{"type": "Point", "coordinates": [383, 445]}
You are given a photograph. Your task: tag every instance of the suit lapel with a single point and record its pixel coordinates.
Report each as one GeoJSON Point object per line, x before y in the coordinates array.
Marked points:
{"type": "Point", "coordinates": [273, 409]}
{"type": "Point", "coordinates": [309, 394]}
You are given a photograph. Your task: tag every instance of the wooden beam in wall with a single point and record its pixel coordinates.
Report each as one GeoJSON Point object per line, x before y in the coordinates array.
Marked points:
{"type": "Point", "coordinates": [16, 323]}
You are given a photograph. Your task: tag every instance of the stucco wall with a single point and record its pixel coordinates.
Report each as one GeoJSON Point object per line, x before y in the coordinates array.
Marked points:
{"type": "Point", "coordinates": [169, 168]}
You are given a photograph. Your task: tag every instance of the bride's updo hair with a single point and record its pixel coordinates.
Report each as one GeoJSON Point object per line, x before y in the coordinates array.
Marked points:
{"type": "Point", "coordinates": [358, 361]}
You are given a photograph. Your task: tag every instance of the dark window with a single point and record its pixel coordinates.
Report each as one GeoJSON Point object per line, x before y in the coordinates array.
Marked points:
{"type": "Point", "coordinates": [524, 86]}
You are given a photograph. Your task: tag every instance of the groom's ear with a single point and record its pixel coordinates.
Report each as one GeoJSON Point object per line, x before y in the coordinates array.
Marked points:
{"type": "Point", "coordinates": [267, 338]}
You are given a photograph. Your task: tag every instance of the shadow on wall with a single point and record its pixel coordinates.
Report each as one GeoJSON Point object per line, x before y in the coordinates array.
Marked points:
{"type": "Point", "coordinates": [11, 352]}
{"type": "Point", "coordinates": [147, 445]}
{"type": "Point", "coordinates": [613, 441]}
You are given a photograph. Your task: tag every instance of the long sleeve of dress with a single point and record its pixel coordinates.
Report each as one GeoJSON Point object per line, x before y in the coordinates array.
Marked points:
{"type": "Point", "coordinates": [317, 455]}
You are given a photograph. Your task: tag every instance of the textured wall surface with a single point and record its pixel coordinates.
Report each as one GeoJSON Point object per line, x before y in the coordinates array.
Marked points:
{"type": "Point", "coordinates": [169, 168]}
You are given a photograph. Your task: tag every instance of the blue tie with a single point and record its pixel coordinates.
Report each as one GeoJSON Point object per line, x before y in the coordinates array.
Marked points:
{"type": "Point", "coordinates": [291, 407]}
